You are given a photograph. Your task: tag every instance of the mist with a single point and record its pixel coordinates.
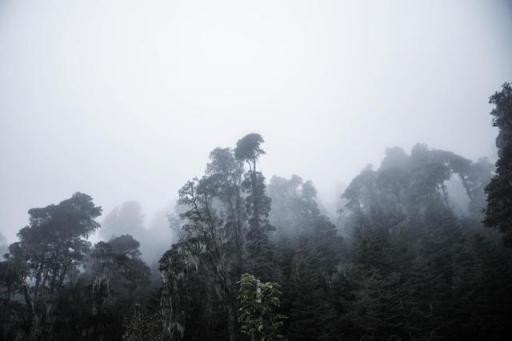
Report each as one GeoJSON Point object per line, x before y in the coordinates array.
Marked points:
{"type": "Point", "coordinates": [170, 156]}
{"type": "Point", "coordinates": [125, 100]}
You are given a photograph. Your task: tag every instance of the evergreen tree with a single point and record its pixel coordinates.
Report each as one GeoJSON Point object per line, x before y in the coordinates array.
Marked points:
{"type": "Point", "coordinates": [259, 251]}
{"type": "Point", "coordinates": [499, 190]}
{"type": "Point", "coordinates": [259, 309]}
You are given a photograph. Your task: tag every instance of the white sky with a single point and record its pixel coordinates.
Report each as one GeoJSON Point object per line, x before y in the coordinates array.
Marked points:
{"type": "Point", "coordinates": [124, 99]}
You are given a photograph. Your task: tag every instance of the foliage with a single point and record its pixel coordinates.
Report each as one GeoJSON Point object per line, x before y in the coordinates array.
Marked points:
{"type": "Point", "coordinates": [47, 255]}
{"type": "Point", "coordinates": [499, 190]}
{"type": "Point", "coordinates": [259, 309]}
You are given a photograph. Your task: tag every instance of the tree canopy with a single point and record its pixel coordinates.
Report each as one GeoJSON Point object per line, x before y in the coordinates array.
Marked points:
{"type": "Point", "coordinates": [408, 258]}
{"type": "Point", "coordinates": [499, 190]}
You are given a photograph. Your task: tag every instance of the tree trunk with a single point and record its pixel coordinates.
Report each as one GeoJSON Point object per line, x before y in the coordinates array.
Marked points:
{"type": "Point", "coordinates": [232, 323]}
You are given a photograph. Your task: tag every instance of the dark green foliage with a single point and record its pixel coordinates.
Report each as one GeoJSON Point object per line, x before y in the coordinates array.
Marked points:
{"type": "Point", "coordinates": [258, 248]}
{"type": "Point", "coordinates": [311, 251]}
{"type": "Point", "coordinates": [259, 309]}
{"type": "Point", "coordinates": [48, 255]}
{"type": "Point", "coordinates": [54, 287]}
{"type": "Point", "coordinates": [141, 325]}
{"type": "Point", "coordinates": [314, 267]}
{"type": "Point", "coordinates": [257, 245]}
{"type": "Point", "coordinates": [119, 277]}
{"type": "Point", "coordinates": [499, 190]}
{"type": "Point", "coordinates": [416, 271]}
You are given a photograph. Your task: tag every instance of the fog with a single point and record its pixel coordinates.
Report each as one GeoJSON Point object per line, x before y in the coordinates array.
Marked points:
{"type": "Point", "coordinates": [124, 100]}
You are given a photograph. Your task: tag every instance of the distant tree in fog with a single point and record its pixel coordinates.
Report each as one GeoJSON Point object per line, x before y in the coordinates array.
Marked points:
{"type": "Point", "coordinates": [125, 219]}
{"type": "Point", "coordinates": [128, 218]}
{"type": "Point", "coordinates": [3, 245]}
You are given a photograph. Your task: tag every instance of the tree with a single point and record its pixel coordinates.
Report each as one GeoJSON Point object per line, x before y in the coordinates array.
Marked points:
{"type": "Point", "coordinates": [49, 251]}
{"type": "Point", "coordinates": [248, 149]}
{"type": "Point", "coordinates": [309, 298]}
{"type": "Point", "coordinates": [259, 309]}
{"type": "Point", "coordinates": [309, 251]}
{"type": "Point", "coordinates": [259, 252]}
{"type": "Point", "coordinates": [478, 177]}
{"type": "Point", "coordinates": [226, 173]}
{"type": "Point", "coordinates": [141, 326]}
{"type": "Point", "coordinates": [116, 264]}
{"type": "Point", "coordinates": [125, 219]}
{"type": "Point", "coordinates": [209, 253]}
{"type": "Point", "coordinates": [11, 310]}
{"type": "Point", "coordinates": [224, 234]}
{"type": "Point", "coordinates": [499, 190]}
{"type": "Point", "coordinates": [294, 206]}
{"type": "Point", "coordinates": [415, 269]}
{"type": "Point", "coordinates": [3, 246]}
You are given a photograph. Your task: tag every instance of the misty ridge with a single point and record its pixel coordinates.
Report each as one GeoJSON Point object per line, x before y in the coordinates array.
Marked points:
{"type": "Point", "coordinates": [288, 170]}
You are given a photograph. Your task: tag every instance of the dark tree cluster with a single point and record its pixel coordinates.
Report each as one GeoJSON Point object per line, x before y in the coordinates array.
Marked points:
{"type": "Point", "coordinates": [257, 260]}
{"type": "Point", "coordinates": [55, 286]}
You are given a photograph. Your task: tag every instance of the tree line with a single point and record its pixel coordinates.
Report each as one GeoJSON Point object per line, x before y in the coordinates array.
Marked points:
{"type": "Point", "coordinates": [260, 260]}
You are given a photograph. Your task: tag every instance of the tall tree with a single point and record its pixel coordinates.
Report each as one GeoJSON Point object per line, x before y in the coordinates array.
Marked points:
{"type": "Point", "coordinates": [210, 247]}
{"type": "Point", "coordinates": [259, 252]}
{"type": "Point", "coordinates": [499, 190]}
{"type": "Point", "coordinates": [224, 234]}
{"type": "Point", "coordinates": [308, 250]}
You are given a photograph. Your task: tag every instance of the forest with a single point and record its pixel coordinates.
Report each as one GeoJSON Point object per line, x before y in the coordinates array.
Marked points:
{"type": "Point", "coordinates": [420, 249]}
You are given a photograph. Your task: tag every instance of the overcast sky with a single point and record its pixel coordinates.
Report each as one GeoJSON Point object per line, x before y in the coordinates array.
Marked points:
{"type": "Point", "coordinates": [123, 100]}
